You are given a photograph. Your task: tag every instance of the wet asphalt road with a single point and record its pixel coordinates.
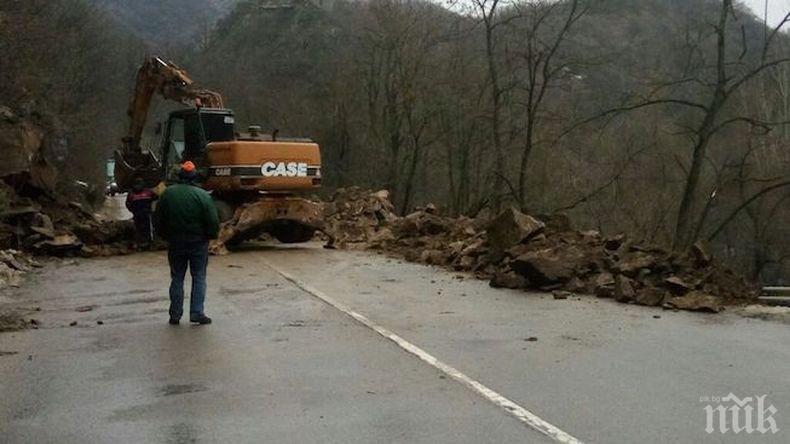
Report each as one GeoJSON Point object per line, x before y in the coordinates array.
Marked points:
{"type": "Point", "coordinates": [280, 365]}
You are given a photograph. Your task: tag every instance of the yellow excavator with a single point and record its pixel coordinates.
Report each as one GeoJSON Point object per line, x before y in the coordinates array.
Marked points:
{"type": "Point", "coordinates": [254, 178]}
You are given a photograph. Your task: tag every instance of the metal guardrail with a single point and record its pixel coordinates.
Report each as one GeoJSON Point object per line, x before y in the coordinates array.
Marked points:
{"type": "Point", "coordinates": [776, 296]}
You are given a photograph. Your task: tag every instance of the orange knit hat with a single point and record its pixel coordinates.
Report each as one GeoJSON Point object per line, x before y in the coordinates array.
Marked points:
{"type": "Point", "coordinates": [188, 167]}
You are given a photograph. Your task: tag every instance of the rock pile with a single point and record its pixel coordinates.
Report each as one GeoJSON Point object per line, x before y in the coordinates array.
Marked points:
{"type": "Point", "coordinates": [358, 217]}
{"type": "Point", "coordinates": [49, 227]}
{"type": "Point", "coordinates": [515, 250]}
{"type": "Point", "coordinates": [39, 211]}
{"type": "Point", "coordinates": [615, 267]}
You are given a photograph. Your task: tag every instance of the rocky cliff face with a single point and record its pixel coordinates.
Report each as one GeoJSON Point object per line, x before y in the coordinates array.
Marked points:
{"type": "Point", "coordinates": [27, 151]}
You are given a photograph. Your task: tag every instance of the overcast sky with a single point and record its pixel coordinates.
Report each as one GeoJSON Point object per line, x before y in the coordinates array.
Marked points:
{"type": "Point", "coordinates": [777, 9]}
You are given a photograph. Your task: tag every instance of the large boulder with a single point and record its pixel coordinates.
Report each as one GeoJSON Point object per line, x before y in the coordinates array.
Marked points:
{"type": "Point", "coordinates": [550, 266]}
{"type": "Point", "coordinates": [23, 152]}
{"type": "Point", "coordinates": [623, 289]}
{"type": "Point", "coordinates": [509, 228]}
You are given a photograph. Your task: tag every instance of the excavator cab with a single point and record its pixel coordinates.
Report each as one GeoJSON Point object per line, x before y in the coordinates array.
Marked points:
{"type": "Point", "coordinates": [187, 135]}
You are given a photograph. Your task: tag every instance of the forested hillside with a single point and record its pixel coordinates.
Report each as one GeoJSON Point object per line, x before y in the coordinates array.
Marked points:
{"type": "Point", "coordinates": [164, 24]}
{"type": "Point", "coordinates": [630, 115]}
{"type": "Point", "coordinates": [65, 61]}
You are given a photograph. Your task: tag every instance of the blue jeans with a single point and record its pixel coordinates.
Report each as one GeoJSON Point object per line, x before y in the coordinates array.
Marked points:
{"type": "Point", "coordinates": [181, 254]}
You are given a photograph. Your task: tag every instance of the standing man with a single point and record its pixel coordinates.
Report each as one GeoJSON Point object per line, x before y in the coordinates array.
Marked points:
{"type": "Point", "coordinates": [140, 202]}
{"type": "Point", "coordinates": [187, 219]}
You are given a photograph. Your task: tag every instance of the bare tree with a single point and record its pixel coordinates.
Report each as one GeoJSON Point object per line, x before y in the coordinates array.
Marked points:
{"type": "Point", "coordinates": [710, 113]}
{"type": "Point", "coordinates": [542, 65]}
{"type": "Point", "coordinates": [490, 17]}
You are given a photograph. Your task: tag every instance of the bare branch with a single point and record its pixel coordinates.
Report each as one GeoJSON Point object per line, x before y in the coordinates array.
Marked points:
{"type": "Point", "coordinates": [744, 205]}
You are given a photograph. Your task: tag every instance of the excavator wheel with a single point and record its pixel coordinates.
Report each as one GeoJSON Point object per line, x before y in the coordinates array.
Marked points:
{"type": "Point", "coordinates": [289, 232]}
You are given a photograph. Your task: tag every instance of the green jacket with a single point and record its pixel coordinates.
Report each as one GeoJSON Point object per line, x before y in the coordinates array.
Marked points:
{"type": "Point", "coordinates": [187, 213]}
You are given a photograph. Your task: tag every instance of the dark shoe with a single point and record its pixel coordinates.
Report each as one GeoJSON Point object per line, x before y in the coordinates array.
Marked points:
{"type": "Point", "coordinates": [174, 321]}
{"type": "Point", "coordinates": [202, 320]}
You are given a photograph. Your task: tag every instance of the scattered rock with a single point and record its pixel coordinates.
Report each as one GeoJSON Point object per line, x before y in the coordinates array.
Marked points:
{"type": "Point", "coordinates": [695, 301]}
{"type": "Point", "coordinates": [508, 279]}
{"type": "Point", "coordinates": [623, 289]}
{"type": "Point", "coordinates": [433, 257]}
{"type": "Point", "coordinates": [650, 296]}
{"type": "Point", "coordinates": [561, 295]}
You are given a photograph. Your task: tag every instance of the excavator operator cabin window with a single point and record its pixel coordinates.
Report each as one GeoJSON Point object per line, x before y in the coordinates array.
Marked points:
{"type": "Point", "coordinates": [219, 127]}
{"type": "Point", "coordinates": [176, 142]}
{"type": "Point", "coordinates": [175, 146]}
{"type": "Point", "coordinates": [193, 139]}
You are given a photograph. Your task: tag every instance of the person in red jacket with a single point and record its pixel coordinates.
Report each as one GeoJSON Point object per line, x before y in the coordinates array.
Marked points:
{"type": "Point", "coordinates": [140, 202]}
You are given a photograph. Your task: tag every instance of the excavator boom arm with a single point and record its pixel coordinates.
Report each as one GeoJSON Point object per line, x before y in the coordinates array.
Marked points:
{"type": "Point", "coordinates": [165, 78]}
{"type": "Point", "coordinates": [157, 76]}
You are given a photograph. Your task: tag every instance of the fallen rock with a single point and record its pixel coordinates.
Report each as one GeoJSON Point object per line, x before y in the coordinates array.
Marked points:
{"type": "Point", "coordinates": [631, 264]}
{"type": "Point", "coordinates": [475, 249]}
{"type": "Point", "coordinates": [508, 279]}
{"type": "Point", "coordinates": [603, 285]}
{"type": "Point", "coordinates": [509, 228]}
{"type": "Point", "coordinates": [678, 286]}
{"type": "Point", "coordinates": [433, 257]}
{"type": "Point", "coordinates": [623, 289]}
{"type": "Point", "coordinates": [59, 245]}
{"type": "Point", "coordinates": [695, 301]}
{"type": "Point", "coordinates": [561, 295]}
{"type": "Point", "coordinates": [548, 266]}
{"type": "Point", "coordinates": [650, 296]}
{"type": "Point", "coordinates": [25, 151]}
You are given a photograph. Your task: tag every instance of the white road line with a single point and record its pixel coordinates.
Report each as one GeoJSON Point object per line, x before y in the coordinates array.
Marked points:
{"type": "Point", "coordinates": [522, 414]}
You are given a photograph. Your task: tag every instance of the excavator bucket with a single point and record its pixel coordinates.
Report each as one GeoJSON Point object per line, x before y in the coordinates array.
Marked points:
{"type": "Point", "coordinates": [287, 219]}
{"type": "Point", "coordinates": [129, 166]}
